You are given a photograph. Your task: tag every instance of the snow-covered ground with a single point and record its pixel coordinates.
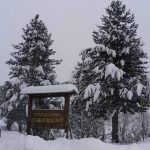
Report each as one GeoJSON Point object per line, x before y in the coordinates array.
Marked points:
{"type": "Point", "coordinates": [12, 140]}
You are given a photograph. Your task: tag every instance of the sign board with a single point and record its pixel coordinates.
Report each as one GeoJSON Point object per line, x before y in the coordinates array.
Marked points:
{"type": "Point", "coordinates": [58, 119]}
{"type": "Point", "coordinates": [48, 119]}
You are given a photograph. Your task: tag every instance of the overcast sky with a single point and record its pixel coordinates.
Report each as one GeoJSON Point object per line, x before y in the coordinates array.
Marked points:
{"type": "Point", "coordinates": [71, 23]}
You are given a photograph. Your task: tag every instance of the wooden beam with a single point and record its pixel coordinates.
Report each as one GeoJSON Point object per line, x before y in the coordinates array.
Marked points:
{"type": "Point", "coordinates": [50, 94]}
{"type": "Point", "coordinates": [67, 103]}
{"type": "Point", "coordinates": [29, 115]}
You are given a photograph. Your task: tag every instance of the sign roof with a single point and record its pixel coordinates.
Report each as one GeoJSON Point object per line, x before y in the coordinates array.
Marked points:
{"type": "Point", "coordinates": [51, 89]}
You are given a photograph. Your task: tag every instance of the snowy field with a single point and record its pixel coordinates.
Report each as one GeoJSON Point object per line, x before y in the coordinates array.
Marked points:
{"type": "Point", "coordinates": [12, 140]}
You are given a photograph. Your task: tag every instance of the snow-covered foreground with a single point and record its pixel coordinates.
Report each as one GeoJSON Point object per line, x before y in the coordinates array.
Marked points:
{"type": "Point", "coordinates": [11, 140]}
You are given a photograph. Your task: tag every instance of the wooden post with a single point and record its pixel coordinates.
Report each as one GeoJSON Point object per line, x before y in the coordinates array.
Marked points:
{"type": "Point", "coordinates": [67, 96]}
{"type": "Point", "coordinates": [29, 115]}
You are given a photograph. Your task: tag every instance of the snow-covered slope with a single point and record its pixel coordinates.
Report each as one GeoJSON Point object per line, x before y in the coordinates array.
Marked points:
{"type": "Point", "coordinates": [11, 140]}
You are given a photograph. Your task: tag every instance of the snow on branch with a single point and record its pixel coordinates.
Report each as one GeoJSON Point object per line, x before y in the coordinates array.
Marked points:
{"type": "Point", "coordinates": [97, 92]}
{"type": "Point", "coordinates": [122, 63]}
{"type": "Point", "coordinates": [89, 91]}
{"type": "Point", "coordinates": [92, 90]}
{"type": "Point", "coordinates": [13, 98]}
{"type": "Point", "coordinates": [102, 48]}
{"type": "Point", "coordinates": [46, 82]}
{"type": "Point", "coordinates": [129, 95]}
{"type": "Point", "coordinates": [87, 61]}
{"type": "Point", "coordinates": [39, 69]}
{"type": "Point", "coordinates": [113, 71]}
{"type": "Point", "coordinates": [139, 89]}
{"type": "Point", "coordinates": [125, 50]}
{"type": "Point", "coordinates": [88, 103]}
{"type": "Point", "coordinates": [125, 93]}
{"type": "Point", "coordinates": [84, 52]}
{"type": "Point", "coordinates": [99, 48]}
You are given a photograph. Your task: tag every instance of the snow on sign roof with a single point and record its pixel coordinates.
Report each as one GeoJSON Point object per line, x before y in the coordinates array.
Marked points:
{"type": "Point", "coordinates": [51, 89]}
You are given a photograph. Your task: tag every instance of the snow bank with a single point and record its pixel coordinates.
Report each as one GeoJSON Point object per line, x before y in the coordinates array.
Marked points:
{"type": "Point", "coordinates": [16, 141]}
{"type": "Point", "coordinates": [3, 123]}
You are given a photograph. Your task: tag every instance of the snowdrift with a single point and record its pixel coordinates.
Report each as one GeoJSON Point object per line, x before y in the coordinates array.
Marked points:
{"type": "Point", "coordinates": [12, 140]}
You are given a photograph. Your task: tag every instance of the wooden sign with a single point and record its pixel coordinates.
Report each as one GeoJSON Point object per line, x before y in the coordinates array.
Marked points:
{"type": "Point", "coordinates": [48, 119]}
{"type": "Point", "coordinates": [58, 119]}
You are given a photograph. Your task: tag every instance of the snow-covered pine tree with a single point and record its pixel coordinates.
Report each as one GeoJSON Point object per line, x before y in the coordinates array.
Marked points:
{"type": "Point", "coordinates": [79, 116]}
{"type": "Point", "coordinates": [119, 61]}
{"type": "Point", "coordinates": [32, 64]}
{"type": "Point", "coordinates": [82, 76]}
{"type": "Point", "coordinates": [2, 96]}
{"type": "Point", "coordinates": [82, 122]}
{"type": "Point", "coordinates": [6, 94]}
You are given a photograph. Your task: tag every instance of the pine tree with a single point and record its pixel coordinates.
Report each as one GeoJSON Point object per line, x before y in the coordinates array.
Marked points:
{"type": "Point", "coordinates": [82, 122]}
{"type": "Point", "coordinates": [32, 64]}
{"type": "Point", "coordinates": [78, 115]}
{"type": "Point", "coordinates": [83, 76]}
{"type": "Point", "coordinates": [120, 84]}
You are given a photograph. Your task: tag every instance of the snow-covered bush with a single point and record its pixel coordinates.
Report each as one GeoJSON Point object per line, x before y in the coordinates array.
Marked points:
{"type": "Point", "coordinates": [14, 127]}
{"type": "Point", "coordinates": [3, 123]}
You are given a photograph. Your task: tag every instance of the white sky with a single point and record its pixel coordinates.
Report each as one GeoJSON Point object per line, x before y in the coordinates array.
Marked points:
{"type": "Point", "coordinates": [71, 23]}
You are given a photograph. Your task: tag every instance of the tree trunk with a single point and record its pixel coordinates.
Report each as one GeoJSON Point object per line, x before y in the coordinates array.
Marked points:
{"type": "Point", "coordinates": [115, 138]}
